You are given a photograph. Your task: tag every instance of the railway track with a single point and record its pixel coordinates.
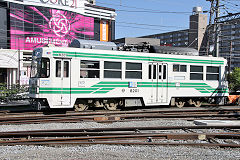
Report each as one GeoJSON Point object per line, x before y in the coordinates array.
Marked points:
{"type": "Point", "coordinates": [111, 116]}
{"type": "Point", "coordinates": [222, 136]}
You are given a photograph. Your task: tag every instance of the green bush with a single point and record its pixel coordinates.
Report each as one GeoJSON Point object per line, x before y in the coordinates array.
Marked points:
{"type": "Point", "coordinates": [8, 93]}
{"type": "Point", "coordinates": [234, 80]}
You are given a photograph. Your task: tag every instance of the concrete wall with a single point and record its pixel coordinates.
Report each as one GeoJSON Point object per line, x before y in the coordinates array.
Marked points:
{"type": "Point", "coordinates": [12, 61]}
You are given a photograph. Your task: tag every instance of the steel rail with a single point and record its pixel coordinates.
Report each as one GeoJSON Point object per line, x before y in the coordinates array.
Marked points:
{"type": "Point", "coordinates": [177, 136]}
{"type": "Point", "coordinates": [124, 116]}
{"type": "Point", "coordinates": [221, 110]}
{"type": "Point", "coordinates": [124, 136]}
{"type": "Point", "coordinates": [75, 118]}
{"type": "Point", "coordinates": [135, 129]}
{"type": "Point", "coordinates": [128, 139]}
{"type": "Point", "coordinates": [130, 143]}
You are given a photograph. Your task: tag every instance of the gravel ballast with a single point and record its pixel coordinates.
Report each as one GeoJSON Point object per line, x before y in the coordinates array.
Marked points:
{"type": "Point", "coordinates": [117, 152]}
{"type": "Point", "coordinates": [112, 152]}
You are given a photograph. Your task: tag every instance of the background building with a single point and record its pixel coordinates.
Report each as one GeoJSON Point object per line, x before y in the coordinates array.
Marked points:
{"type": "Point", "coordinates": [135, 41]}
{"type": "Point", "coordinates": [193, 37]}
{"type": "Point", "coordinates": [197, 29]}
{"type": "Point", "coordinates": [27, 24]}
{"type": "Point", "coordinates": [229, 39]}
{"type": "Point", "coordinates": [201, 36]}
{"type": "Point", "coordinates": [175, 38]}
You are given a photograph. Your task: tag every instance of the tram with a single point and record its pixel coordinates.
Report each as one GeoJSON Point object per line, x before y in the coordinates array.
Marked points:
{"type": "Point", "coordinates": [105, 77]}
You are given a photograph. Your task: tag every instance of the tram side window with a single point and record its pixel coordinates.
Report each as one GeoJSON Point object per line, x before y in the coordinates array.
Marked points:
{"type": "Point", "coordinates": [133, 70]}
{"type": "Point", "coordinates": [45, 68]}
{"type": "Point", "coordinates": [153, 71]}
{"type": "Point", "coordinates": [66, 69]}
{"type": "Point", "coordinates": [152, 74]}
{"type": "Point", "coordinates": [179, 68]}
{"type": "Point", "coordinates": [58, 68]}
{"type": "Point", "coordinates": [196, 72]}
{"type": "Point", "coordinates": [112, 69]}
{"type": "Point", "coordinates": [212, 73]}
{"type": "Point", "coordinates": [162, 72]}
{"type": "Point", "coordinates": [149, 71]}
{"type": "Point", "coordinates": [89, 69]}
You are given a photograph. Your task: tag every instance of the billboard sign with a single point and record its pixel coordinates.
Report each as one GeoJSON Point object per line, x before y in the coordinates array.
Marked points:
{"type": "Point", "coordinates": [104, 30]}
{"type": "Point", "coordinates": [66, 3]}
{"type": "Point", "coordinates": [32, 27]}
{"type": "Point", "coordinates": [70, 5]}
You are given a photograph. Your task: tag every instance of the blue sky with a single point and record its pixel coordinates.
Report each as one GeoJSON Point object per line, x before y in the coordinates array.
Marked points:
{"type": "Point", "coordinates": [158, 15]}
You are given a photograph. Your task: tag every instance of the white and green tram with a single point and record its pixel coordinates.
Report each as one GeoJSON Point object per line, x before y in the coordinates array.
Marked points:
{"type": "Point", "coordinates": [80, 78]}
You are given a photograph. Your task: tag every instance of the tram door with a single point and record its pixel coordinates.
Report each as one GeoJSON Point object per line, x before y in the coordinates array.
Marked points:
{"type": "Point", "coordinates": [159, 82]}
{"type": "Point", "coordinates": [62, 82]}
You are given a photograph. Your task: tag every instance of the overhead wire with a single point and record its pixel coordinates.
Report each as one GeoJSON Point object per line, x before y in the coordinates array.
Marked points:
{"type": "Point", "coordinates": [149, 26]}
{"type": "Point", "coordinates": [229, 5]}
{"type": "Point", "coordinates": [141, 9]}
{"type": "Point", "coordinates": [135, 23]}
{"type": "Point", "coordinates": [121, 22]}
{"type": "Point", "coordinates": [148, 11]}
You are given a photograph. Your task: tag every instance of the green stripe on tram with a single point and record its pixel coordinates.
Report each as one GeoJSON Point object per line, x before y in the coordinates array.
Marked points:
{"type": "Point", "coordinates": [204, 92]}
{"type": "Point", "coordinates": [105, 87]}
{"type": "Point", "coordinates": [113, 83]}
{"type": "Point", "coordinates": [52, 89]}
{"type": "Point", "coordinates": [81, 92]}
{"type": "Point", "coordinates": [139, 58]}
{"type": "Point", "coordinates": [111, 86]}
{"type": "Point", "coordinates": [100, 92]}
{"type": "Point", "coordinates": [54, 92]}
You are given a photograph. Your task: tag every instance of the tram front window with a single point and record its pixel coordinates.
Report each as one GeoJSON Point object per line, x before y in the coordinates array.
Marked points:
{"type": "Point", "coordinates": [34, 72]}
{"type": "Point", "coordinates": [40, 68]}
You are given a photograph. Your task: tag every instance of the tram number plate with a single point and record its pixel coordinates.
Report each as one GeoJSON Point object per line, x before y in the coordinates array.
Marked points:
{"type": "Point", "coordinates": [134, 90]}
{"type": "Point", "coordinates": [62, 54]}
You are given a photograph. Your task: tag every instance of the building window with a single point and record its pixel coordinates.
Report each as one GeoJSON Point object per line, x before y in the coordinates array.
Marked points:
{"type": "Point", "coordinates": [179, 68]}
{"type": "Point", "coordinates": [133, 70]}
{"type": "Point", "coordinates": [196, 72]}
{"type": "Point", "coordinates": [89, 69]}
{"type": "Point", "coordinates": [112, 69]}
{"type": "Point", "coordinates": [212, 73]}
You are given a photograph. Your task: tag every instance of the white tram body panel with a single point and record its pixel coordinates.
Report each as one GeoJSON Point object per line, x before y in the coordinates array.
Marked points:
{"type": "Point", "coordinates": [145, 78]}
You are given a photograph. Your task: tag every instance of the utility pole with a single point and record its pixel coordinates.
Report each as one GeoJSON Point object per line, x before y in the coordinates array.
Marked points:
{"type": "Point", "coordinates": [217, 12]}
{"type": "Point", "coordinates": [230, 58]}
{"type": "Point", "coordinates": [215, 9]}
{"type": "Point", "coordinates": [209, 27]}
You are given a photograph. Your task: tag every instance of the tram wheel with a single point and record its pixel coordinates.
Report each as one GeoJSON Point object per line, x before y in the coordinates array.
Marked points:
{"type": "Point", "coordinates": [180, 104]}
{"type": "Point", "coordinates": [80, 107]}
{"type": "Point", "coordinates": [197, 103]}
